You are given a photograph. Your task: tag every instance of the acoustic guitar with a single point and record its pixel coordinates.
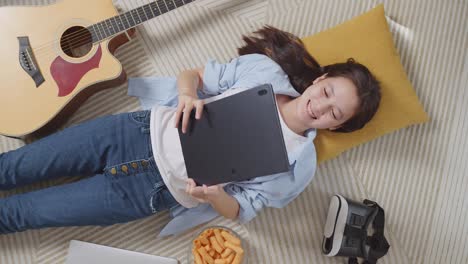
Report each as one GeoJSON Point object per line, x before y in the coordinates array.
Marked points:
{"type": "Point", "coordinates": [52, 58]}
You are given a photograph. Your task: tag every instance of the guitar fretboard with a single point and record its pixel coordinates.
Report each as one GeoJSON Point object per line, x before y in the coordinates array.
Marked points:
{"type": "Point", "coordinates": [118, 24]}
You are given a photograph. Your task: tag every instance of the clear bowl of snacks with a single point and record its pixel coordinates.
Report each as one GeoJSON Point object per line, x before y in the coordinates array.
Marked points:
{"type": "Point", "coordinates": [217, 245]}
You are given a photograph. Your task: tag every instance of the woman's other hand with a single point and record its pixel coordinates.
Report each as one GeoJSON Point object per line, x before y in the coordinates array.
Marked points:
{"type": "Point", "coordinates": [204, 194]}
{"type": "Point", "coordinates": [184, 109]}
{"type": "Point", "coordinates": [225, 204]}
{"type": "Point", "coordinates": [188, 82]}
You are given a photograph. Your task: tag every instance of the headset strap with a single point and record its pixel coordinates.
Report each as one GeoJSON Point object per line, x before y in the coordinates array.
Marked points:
{"type": "Point", "coordinates": [377, 242]}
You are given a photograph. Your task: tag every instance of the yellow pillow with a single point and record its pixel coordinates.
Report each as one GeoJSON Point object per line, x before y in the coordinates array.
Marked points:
{"type": "Point", "coordinates": [367, 39]}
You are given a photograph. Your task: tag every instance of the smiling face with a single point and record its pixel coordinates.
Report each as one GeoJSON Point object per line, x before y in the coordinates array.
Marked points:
{"type": "Point", "coordinates": [327, 103]}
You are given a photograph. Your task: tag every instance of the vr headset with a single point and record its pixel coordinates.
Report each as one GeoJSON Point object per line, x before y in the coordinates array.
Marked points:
{"type": "Point", "coordinates": [346, 230]}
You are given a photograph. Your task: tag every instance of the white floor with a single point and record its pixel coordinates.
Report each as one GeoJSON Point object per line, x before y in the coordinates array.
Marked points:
{"type": "Point", "coordinates": [418, 174]}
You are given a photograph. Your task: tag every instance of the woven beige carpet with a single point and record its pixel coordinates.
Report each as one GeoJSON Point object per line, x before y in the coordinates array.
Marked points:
{"type": "Point", "coordinates": [417, 174]}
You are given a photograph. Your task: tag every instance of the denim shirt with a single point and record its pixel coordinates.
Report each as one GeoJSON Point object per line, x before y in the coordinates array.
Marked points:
{"type": "Point", "coordinates": [275, 190]}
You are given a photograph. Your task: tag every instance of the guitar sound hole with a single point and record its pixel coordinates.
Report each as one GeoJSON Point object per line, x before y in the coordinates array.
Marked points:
{"type": "Point", "coordinates": [76, 42]}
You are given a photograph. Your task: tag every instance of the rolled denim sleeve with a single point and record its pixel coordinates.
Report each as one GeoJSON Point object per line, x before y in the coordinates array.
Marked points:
{"type": "Point", "coordinates": [246, 71]}
{"type": "Point", "coordinates": [250, 202]}
{"type": "Point", "coordinates": [218, 77]}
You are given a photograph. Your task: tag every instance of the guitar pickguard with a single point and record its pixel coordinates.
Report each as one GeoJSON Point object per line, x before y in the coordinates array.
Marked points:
{"type": "Point", "coordinates": [67, 75]}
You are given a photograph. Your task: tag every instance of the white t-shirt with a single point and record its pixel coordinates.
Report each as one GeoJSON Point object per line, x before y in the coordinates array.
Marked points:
{"type": "Point", "coordinates": [168, 154]}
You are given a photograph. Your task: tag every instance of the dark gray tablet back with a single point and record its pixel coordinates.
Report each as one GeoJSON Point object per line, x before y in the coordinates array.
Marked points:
{"type": "Point", "coordinates": [238, 138]}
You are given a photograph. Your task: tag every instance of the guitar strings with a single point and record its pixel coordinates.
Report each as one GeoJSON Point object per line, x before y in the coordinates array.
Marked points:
{"type": "Point", "coordinates": [78, 36]}
{"type": "Point", "coordinates": [82, 36]}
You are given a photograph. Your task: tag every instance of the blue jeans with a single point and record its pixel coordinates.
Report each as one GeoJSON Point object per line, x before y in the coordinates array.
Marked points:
{"type": "Point", "coordinates": [122, 184]}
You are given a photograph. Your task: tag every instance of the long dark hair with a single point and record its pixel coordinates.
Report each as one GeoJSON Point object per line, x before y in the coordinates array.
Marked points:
{"type": "Point", "coordinates": [302, 69]}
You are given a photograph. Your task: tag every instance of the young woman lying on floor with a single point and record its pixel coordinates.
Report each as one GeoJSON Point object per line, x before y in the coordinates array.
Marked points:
{"type": "Point", "coordinates": [134, 160]}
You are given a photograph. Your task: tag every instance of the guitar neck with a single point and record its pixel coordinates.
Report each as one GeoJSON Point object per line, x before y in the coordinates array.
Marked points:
{"type": "Point", "coordinates": [121, 23]}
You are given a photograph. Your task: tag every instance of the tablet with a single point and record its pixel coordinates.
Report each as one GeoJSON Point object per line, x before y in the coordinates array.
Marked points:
{"type": "Point", "coordinates": [238, 138]}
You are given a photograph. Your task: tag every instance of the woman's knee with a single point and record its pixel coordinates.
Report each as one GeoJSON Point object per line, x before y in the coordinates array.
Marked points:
{"type": "Point", "coordinates": [12, 216]}
{"type": "Point", "coordinates": [7, 180]}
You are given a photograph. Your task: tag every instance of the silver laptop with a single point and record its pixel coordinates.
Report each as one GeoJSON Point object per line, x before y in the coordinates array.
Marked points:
{"type": "Point", "coordinates": [83, 252]}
